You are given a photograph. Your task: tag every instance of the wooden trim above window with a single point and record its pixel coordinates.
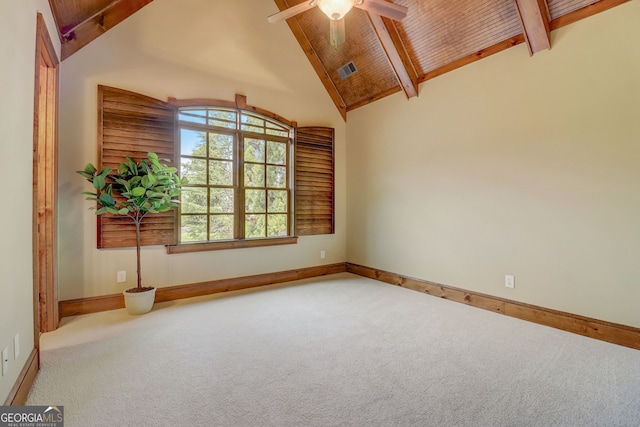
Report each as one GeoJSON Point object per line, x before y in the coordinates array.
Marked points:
{"type": "Point", "coordinates": [201, 102]}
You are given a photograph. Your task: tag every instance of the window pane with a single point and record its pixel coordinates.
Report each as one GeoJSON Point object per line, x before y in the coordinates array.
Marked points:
{"type": "Point", "coordinates": [272, 125]}
{"type": "Point", "coordinates": [221, 227]}
{"type": "Point", "coordinates": [193, 143]}
{"type": "Point", "coordinates": [277, 201]}
{"type": "Point", "coordinates": [195, 170]}
{"type": "Point", "coordinates": [252, 120]}
{"type": "Point", "coordinates": [193, 228]}
{"type": "Point", "coordinates": [220, 146]}
{"type": "Point", "coordinates": [283, 133]}
{"type": "Point", "coordinates": [276, 176]}
{"type": "Point", "coordinates": [222, 124]}
{"type": "Point", "coordinates": [254, 175]}
{"type": "Point", "coordinates": [255, 226]}
{"type": "Point", "coordinates": [277, 225]}
{"type": "Point", "coordinates": [208, 159]}
{"type": "Point", "coordinates": [222, 118]}
{"type": "Point", "coordinates": [276, 152]}
{"type": "Point", "coordinates": [254, 150]}
{"type": "Point", "coordinates": [220, 172]}
{"type": "Point", "coordinates": [221, 200]}
{"type": "Point", "coordinates": [193, 116]}
{"type": "Point", "coordinates": [193, 200]}
{"type": "Point", "coordinates": [253, 129]}
{"type": "Point", "coordinates": [223, 115]}
{"type": "Point", "coordinates": [255, 201]}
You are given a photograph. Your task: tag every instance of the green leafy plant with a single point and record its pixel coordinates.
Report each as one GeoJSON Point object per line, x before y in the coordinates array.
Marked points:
{"type": "Point", "coordinates": [134, 190]}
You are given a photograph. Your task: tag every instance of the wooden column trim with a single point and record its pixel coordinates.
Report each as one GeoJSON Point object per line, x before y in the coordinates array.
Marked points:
{"type": "Point", "coordinates": [396, 53]}
{"type": "Point", "coordinates": [627, 336]}
{"type": "Point", "coordinates": [45, 182]}
{"type": "Point", "coordinates": [534, 16]}
{"type": "Point", "coordinates": [241, 102]}
{"type": "Point", "coordinates": [315, 61]}
{"type": "Point", "coordinates": [81, 34]}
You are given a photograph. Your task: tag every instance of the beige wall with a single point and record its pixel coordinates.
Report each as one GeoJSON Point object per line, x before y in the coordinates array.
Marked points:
{"type": "Point", "coordinates": [186, 49]}
{"type": "Point", "coordinates": [17, 51]}
{"type": "Point", "coordinates": [512, 165]}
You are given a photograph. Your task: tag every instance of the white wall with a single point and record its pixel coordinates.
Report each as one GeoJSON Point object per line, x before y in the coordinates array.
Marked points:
{"type": "Point", "coordinates": [17, 51]}
{"type": "Point", "coordinates": [186, 49]}
{"type": "Point", "coordinates": [512, 165]}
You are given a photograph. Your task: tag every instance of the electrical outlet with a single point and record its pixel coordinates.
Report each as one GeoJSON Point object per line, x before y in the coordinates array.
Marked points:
{"type": "Point", "coordinates": [16, 346]}
{"type": "Point", "coordinates": [322, 254]}
{"type": "Point", "coordinates": [509, 281]}
{"type": "Point", "coordinates": [5, 361]}
{"type": "Point", "coordinates": [121, 277]}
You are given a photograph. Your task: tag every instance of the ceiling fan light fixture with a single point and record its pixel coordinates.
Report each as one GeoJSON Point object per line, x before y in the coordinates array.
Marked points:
{"type": "Point", "coordinates": [335, 9]}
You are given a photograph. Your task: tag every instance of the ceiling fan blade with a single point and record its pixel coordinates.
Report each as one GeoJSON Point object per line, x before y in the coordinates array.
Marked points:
{"type": "Point", "coordinates": [336, 31]}
{"type": "Point", "coordinates": [292, 11]}
{"type": "Point", "coordinates": [383, 8]}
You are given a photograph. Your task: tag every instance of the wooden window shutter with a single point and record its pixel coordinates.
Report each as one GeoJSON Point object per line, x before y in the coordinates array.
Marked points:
{"type": "Point", "coordinates": [131, 125]}
{"type": "Point", "coordinates": [314, 181]}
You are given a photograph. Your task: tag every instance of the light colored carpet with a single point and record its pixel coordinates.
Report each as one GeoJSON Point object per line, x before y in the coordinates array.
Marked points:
{"type": "Point", "coordinates": [335, 351]}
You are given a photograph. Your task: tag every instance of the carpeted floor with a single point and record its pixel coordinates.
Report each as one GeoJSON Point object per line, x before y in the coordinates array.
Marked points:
{"type": "Point", "coordinates": [340, 350]}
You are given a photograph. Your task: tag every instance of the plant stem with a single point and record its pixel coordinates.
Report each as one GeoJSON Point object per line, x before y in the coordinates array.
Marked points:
{"type": "Point", "coordinates": [137, 222]}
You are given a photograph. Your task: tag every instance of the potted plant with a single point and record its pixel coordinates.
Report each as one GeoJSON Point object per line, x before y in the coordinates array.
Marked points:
{"type": "Point", "coordinates": [135, 190]}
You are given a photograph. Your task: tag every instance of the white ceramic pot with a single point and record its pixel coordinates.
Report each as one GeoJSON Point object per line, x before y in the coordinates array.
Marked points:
{"type": "Point", "coordinates": [139, 302]}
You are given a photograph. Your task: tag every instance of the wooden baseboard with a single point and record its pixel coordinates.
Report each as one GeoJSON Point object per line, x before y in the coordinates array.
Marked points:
{"type": "Point", "coordinates": [112, 302]}
{"type": "Point", "coordinates": [20, 391]}
{"type": "Point", "coordinates": [88, 305]}
{"type": "Point", "coordinates": [599, 329]}
{"type": "Point", "coordinates": [605, 331]}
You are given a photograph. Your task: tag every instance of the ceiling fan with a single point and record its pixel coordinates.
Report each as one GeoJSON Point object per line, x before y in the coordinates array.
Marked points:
{"type": "Point", "coordinates": [337, 9]}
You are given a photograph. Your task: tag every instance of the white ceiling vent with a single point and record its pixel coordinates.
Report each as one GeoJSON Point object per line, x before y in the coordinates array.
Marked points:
{"type": "Point", "coordinates": [347, 69]}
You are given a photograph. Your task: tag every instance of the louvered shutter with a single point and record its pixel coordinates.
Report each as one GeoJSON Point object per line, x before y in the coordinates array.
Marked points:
{"type": "Point", "coordinates": [131, 125]}
{"type": "Point", "coordinates": [314, 181]}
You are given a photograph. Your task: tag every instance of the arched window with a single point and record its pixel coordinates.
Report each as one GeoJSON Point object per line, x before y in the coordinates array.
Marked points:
{"type": "Point", "coordinates": [238, 164]}
{"type": "Point", "coordinates": [255, 178]}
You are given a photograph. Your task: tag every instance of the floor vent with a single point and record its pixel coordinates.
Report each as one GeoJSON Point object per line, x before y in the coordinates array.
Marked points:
{"type": "Point", "coordinates": [347, 69]}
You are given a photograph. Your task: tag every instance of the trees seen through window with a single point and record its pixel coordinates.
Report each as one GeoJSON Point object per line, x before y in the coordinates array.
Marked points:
{"type": "Point", "coordinates": [238, 168]}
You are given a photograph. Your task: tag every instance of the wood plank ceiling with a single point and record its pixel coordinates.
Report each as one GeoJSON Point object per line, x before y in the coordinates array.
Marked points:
{"type": "Point", "coordinates": [437, 36]}
{"type": "Point", "coordinates": [81, 21]}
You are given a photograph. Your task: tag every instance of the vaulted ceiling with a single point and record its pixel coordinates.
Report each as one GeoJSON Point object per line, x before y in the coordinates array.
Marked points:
{"type": "Point", "coordinates": [435, 37]}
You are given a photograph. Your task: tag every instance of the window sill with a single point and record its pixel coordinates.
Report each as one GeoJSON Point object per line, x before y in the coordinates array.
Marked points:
{"type": "Point", "coordinates": [185, 248]}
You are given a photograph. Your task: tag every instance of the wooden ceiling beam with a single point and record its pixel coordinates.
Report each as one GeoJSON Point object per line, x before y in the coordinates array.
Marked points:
{"type": "Point", "coordinates": [396, 53]}
{"type": "Point", "coordinates": [315, 61]}
{"type": "Point", "coordinates": [534, 16]}
{"type": "Point", "coordinates": [88, 30]}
